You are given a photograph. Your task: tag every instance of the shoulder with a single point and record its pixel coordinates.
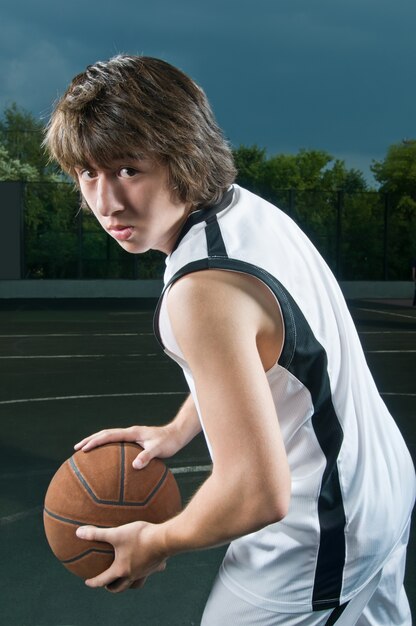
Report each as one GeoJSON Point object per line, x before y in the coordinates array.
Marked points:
{"type": "Point", "coordinates": [216, 309]}
{"type": "Point", "coordinates": [217, 294]}
{"type": "Point", "coordinates": [207, 297]}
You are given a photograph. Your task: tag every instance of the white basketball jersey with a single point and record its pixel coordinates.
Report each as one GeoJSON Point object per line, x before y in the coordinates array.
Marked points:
{"type": "Point", "coordinates": [353, 483]}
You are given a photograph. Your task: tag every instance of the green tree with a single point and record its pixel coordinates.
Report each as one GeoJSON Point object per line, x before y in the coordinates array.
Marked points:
{"type": "Point", "coordinates": [54, 247]}
{"type": "Point", "coordinates": [22, 135]}
{"type": "Point", "coordinates": [307, 185]}
{"type": "Point", "coordinates": [396, 174]}
{"type": "Point", "coordinates": [308, 169]}
{"type": "Point", "coordinates": [51, 205]}
{"type": "Point", "coordinates": [250, 162]}
{"type": "Point", "coordinates": [14, 169]}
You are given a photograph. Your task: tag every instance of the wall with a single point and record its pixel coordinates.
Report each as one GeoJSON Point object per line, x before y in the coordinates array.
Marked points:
{"type": "Point", "coordinates": [11, 225]}
{"type": "Point", "coordinates": [15, 289]}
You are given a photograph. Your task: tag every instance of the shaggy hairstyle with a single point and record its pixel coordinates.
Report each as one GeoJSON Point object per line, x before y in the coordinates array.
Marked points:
{"type": "Point", "coordinates": [141, 107]}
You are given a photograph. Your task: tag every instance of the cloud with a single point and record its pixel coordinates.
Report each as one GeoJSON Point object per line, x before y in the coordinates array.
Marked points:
{"type": "Point", "coordinates": [283, 74]}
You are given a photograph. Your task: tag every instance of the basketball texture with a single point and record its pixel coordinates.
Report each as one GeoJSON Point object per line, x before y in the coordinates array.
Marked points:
{"type": "Point", "coordinates": [100, 487]}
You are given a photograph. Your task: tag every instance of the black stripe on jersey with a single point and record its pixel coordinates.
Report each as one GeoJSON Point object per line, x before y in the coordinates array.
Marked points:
{"type": "Point", "coordinates": [216, 247]}
{"type": "Point", "coordinates": [306, 359]}
{"type": "Point", "coordinates": [204, 215]}
{"type": "Point", "coordinates": [336, 614]}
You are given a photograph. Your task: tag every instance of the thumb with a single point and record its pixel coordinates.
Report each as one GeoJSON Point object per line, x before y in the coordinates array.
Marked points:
{"type": "Point", "coordinates": [92, 533]}
{"type": "Point", "coordinates": [142, 459]}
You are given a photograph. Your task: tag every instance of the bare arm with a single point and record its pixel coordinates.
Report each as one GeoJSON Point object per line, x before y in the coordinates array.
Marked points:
{"type": "Point", "coordinates": [226, 326]}
{"type": "Point", "coordinates": [230, 331]}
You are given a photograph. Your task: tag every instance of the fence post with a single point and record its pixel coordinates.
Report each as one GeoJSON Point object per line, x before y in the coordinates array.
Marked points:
{"type": "Point", "coordinates": [386, 235]}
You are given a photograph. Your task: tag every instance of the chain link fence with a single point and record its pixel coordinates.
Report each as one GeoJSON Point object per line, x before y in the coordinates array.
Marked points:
{"type": "Point", "coordinates": [362, 236]}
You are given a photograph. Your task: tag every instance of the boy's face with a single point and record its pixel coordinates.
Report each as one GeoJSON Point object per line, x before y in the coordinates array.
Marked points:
{"type": "Point", "coordinates": [132, 202]}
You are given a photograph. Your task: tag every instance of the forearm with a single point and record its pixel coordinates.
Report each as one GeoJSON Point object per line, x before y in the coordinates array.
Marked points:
{"type": "Point", "coordinates": [224, 508]}
{"type": "Point", "coordinates": [186, 424]}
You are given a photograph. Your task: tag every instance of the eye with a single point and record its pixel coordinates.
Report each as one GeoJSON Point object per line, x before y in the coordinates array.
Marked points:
{"type": "Point", "coordinates": [127, 172]}
{"type": "Point", "coordinates": [87, 174]}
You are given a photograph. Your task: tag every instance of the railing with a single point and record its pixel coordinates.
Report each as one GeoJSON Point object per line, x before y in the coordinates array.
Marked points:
{"type": "Point", "coordinates": [362, 236]}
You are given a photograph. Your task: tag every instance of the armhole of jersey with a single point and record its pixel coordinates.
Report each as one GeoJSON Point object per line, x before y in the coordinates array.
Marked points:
{"type": "Point", "coordinates": [234, 265]}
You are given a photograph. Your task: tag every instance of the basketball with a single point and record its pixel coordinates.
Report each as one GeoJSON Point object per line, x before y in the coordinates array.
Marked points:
{"type": "Point", "coordinates": [100, 487]}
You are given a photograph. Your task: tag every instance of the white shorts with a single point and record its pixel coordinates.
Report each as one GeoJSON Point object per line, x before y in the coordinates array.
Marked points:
{"type": "Point", "coordinates": [382, 602]}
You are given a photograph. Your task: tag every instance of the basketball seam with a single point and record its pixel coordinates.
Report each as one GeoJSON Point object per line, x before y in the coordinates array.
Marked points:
{"type": "Point", "coordinates": [67, 520]}
{"type": "Point", "coordinates": [86, 553]}
{"type": "Point", "coordinates": [122, 502]}
{"type": "Point", "coordinates": [122, 471]}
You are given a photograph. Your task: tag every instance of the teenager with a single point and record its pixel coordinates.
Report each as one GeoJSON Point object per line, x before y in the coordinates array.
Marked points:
{"type": "Point", "coordinates": [312, 484]}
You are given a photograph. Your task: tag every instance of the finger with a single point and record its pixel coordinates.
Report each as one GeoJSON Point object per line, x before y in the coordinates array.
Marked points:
{"type": "Point", "coordinates": [96, 439]}
{"type": "Point", "coordinates": [102, 434]}
{"type": "Point", "coordinates": [82, 443]}
{"type": "Point", "coordinates": [161, 567]}
{"type": "Point", "coordinates": [119, 585]}
{"type": "Point", "coordinates": [107, 579]}
{"type": "Point", "coordinates": [105, 436]}
{"type": "Point", "coordinates": [143, 459]}
{"type": "Point", "coordinates": [139, 583]}
{"type": "Point", "coordinates": [92, 533]}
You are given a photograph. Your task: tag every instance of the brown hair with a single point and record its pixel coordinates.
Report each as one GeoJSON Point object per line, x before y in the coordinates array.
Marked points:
{"type": "Point", "coordinates": [136, 107]}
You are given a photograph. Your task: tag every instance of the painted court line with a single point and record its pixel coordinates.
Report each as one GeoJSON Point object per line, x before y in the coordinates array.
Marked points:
{"type": "Point", "coordinates": [135, 394]}
{"type": "Point", "coordinates": [191, 469]}
{"type": "Point", "coordinates": [186, 469]}
{"type": "Point", "coordinates": [410, 317]}
{"type": "Point", "coordinates": [98, 395]}
{"type": "Point", "coordinates": [141, 355]}
{"type": "Point", "coordinates": [387, 332]}
{"type": "Point", "coordinates": [17, 517]}
{"type": "Point", "coordinates": [129, 313]}
{"type": "Point", "coordinates": [393, 393]}
{"type": "Point", "coordinates": [389, 351]}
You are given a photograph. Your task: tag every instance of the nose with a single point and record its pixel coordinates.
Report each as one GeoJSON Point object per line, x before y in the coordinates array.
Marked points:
{"type": "Point", "coordinates": [109, 197]}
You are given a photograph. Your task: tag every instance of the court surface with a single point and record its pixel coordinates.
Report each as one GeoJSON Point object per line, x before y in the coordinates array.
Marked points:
{"type": "Point", "coordinates": [69, 369]}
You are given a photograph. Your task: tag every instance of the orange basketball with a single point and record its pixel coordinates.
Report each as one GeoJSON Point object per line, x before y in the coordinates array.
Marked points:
{"type": "Point", "coordinates": [100, 487]}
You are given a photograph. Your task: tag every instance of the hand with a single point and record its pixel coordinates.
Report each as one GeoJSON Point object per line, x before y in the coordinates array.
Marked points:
{"type": "Point", "coordinates": [136, 555]}
{"type": "Point", "coordinates": [156, 441]}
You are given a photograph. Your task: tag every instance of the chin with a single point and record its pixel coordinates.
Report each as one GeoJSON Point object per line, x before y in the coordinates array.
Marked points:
{"type": "Point", "coordinates": [134, 247]}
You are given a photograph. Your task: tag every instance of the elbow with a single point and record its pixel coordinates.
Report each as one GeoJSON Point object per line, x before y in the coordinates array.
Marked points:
{"type": "Point", "coordinates": [269, 514]}
{"type": "Point", "coordinates": [275, 504]}
{"type": "Point", "coordinates": [283, 509]}
{"type": "Point", "coordinates": [279, 508]}
{"type": "Point", "coordinates": [279, 496]}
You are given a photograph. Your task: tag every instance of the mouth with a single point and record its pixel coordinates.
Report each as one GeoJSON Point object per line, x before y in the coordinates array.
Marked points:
{"type": "Point", "coordinates": [121, 233]}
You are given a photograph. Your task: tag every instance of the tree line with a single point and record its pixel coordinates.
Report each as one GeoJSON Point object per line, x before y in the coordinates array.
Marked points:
{"type": "Point", "coordinates": [364, 232]}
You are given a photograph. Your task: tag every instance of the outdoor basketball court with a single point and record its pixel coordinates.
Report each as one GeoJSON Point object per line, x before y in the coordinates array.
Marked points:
{"type": "Point", "coordinates": [70, 369]}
